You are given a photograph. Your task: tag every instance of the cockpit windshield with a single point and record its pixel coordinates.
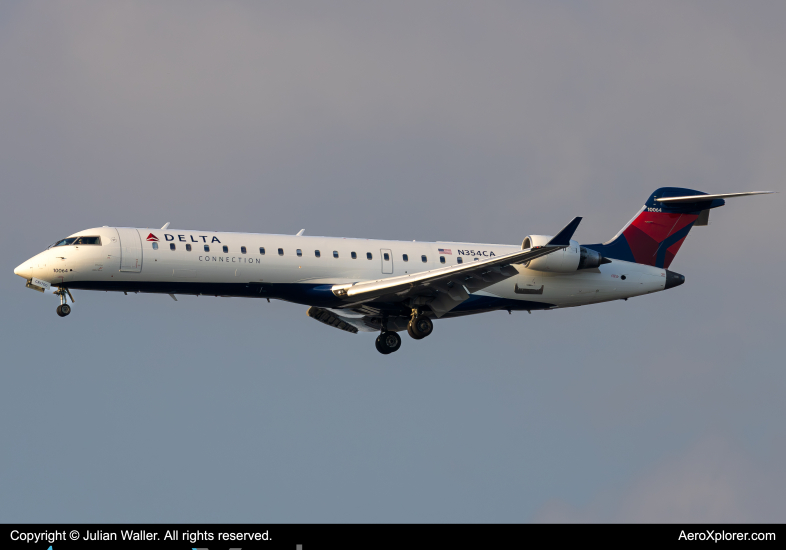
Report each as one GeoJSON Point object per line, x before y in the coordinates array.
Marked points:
{"type": "Point", "coordinates": [88, 240]}
{"type": "Point", "coordinates": [65, 242]}
{"type": "Point", "coordinates": [78, 241]}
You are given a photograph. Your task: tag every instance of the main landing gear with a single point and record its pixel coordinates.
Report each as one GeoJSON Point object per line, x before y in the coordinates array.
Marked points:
{"type": "Point", "coordinates": [64, 309]}
{"type": "Point", "coordinates": [418, 328]}
{"type": "Point", "coordinates": [388, 342]}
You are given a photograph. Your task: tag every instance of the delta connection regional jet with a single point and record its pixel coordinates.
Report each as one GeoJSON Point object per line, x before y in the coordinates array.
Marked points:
{"type": "Point", "coordinates": [381, 286]}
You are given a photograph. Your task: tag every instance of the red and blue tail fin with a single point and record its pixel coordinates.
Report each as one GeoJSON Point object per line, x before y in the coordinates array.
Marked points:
{"type": "Point", "coordinates": [656, 232]}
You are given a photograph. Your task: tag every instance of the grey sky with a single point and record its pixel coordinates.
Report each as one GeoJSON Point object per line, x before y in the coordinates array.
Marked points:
{"type": "Point", "coordinates": [477, 121]}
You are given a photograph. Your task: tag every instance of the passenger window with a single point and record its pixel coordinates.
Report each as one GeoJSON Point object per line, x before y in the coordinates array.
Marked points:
{"type": "Point", "coordinates": [188, 247]}
{"type": "Point", "coordinates": [171, 246]}
{"type": "Point", "coordinates": [262, 250]}
{"type": "Point", "coordinates": [226, 249]}
{"type": "Point", "coordinates": [423, 258]}
{"type": "Point", "coordinates": [316, 253]}
{"type": "Point", "coordinates": [242, 249]}
{"type": "Point", "coordinates": [280, 251]}
{"type": "Point", "coordinates": [368, 255]}
{"type": "Point", "coordinates": [299, 252]}
{"type": "Point", "coordinates": [459, 260]}
{"type": "Point", "coordinates": [207, 248]}
{"type": "Point", "coordinates": [335, 253]}
{"type": "Point", "coordinates": [405, 258]}
{"type": "Point", "coordinates": [354, 255]}
{"type": "Point", "coordinates": [442, 259]}
{"type": "Point", "coordinates": [155, 246]}
{"type": "Point", "coordinates": [386, 256]}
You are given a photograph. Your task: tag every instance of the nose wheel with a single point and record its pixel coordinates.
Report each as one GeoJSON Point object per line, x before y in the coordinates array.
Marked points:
{"type": "Point", "coordinates": [64, 309]}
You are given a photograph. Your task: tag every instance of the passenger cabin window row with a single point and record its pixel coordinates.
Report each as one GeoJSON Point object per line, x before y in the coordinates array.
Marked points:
{"type": "Point", "coordinates": [243, 250]}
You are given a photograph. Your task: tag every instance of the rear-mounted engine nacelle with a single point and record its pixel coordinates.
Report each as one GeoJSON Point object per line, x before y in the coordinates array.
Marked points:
{"type": "Point", "coordinates": [570, 259]}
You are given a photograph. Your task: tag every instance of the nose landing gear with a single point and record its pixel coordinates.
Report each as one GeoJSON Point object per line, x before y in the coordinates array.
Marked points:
{"type": "Point", "coordinates": [64, 309]}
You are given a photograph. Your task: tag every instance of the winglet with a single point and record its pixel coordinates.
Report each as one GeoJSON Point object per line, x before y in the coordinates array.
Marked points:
{"type": "Point", "coordinates": [563, 237]}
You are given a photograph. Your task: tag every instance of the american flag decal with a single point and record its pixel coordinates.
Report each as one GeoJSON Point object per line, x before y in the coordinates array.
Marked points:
{"type": "Point", "coordinates": [445, 251]}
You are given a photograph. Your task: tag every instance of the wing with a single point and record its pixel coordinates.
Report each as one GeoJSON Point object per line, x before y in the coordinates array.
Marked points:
{"type": "Point", "coordinates": [449, 286]}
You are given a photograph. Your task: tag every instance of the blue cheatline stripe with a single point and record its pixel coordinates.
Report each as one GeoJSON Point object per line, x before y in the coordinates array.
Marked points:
{"type": "Point", "coordinates": [660, 258]}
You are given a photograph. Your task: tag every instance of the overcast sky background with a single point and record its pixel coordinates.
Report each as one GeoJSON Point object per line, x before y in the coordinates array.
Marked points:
{"type": "Point", "coordinates": [481, 122]}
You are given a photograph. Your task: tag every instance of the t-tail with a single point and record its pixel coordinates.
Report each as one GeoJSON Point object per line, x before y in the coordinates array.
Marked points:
{"type": "Point", "coordinates": [657, 231]}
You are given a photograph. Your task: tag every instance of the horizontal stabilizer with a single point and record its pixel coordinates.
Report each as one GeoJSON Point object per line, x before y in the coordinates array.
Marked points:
{"type": "Point", "coordinates": [700, 198]}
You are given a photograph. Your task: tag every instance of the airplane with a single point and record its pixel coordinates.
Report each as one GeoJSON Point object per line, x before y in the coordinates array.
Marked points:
{"type": "Point", "coordinates": [363, 285]}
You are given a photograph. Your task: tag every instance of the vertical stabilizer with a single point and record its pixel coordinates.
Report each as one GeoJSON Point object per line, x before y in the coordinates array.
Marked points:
{"type": "Point", "coordinates": [657, 231]}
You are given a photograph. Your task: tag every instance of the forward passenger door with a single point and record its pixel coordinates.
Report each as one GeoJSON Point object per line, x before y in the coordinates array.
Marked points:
{"type": "Point", "coordinates": [130, 249]}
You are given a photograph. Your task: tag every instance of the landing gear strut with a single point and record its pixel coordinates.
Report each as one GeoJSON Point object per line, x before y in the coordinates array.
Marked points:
{"type": "Point", "coordinates": [64, 309]}
{"type": "Point", "coordinates": [419, 326]}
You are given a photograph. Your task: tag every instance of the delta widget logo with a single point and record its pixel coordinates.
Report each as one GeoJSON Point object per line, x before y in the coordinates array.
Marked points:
{"type": "Point", "coordinates": [152, 237]}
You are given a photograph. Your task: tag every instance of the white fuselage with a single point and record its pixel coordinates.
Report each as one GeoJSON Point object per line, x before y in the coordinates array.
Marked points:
{"type": "Point", "coordinates": [302, 268]}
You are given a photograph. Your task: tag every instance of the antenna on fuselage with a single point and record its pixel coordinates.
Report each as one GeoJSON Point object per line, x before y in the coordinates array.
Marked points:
{"type": "Point", "coordinates": [300, 233]}
{"type": "Point", "coordinates": [165, 226]}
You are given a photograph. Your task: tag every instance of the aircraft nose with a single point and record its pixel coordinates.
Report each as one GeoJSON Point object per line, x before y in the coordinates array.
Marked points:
{"type": "Point", "coordinates": [673, 279]}
{"type": "Point", "coordinates": [24, 270]}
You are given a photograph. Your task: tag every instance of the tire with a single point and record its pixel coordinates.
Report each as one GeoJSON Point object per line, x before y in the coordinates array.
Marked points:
{"type": "Point", "coordinates": [65, 309]}
{"type": "Point", "coordinates": [380, 346]}
{"type": "Point", "coordinates": [388, 342]}
{"type": "Point", "coordinates": [421, 327]}
{"type": "Point", "coordinates": [411, 331]}
{"type": "Point", "coordinates": [392, 341]}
